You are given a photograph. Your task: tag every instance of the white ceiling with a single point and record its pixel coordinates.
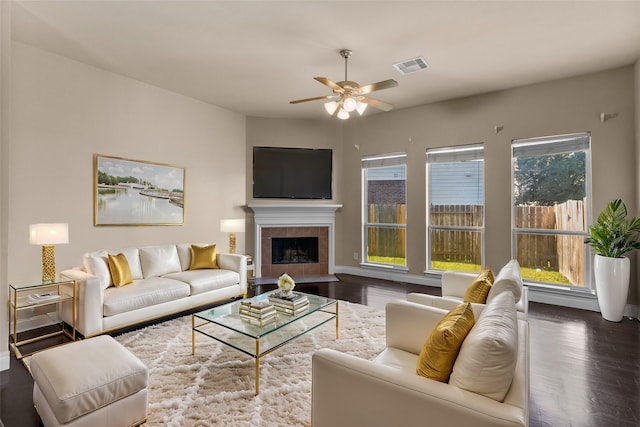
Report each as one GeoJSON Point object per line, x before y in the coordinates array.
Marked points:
{"type": "Point", "coordinates": [253, 57]}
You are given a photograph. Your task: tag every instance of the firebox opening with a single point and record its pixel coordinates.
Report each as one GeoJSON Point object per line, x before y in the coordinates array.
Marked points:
{"type": "Point", "coordinates": [294, 250]}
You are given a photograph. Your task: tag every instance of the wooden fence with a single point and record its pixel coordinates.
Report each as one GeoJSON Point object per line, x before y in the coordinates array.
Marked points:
{"type": "Point", "coordinates": [548, 252]}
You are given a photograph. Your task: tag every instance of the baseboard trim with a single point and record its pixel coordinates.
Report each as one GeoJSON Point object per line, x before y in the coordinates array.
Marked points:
{"type": "Point", "coordinates": [5, 360]}
{"type": "Point", "coordinates": [386, 274]}
{"type": "Point", "coordinates": [544, 296]}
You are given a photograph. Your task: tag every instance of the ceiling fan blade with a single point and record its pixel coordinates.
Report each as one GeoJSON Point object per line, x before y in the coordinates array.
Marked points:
{"type": "Point", "coordinates": [376, 103]}
{"type": "Point", "coordinates": [325, 81]}
{"type": "Point", "coordinates": [315, 98]}
{"type": "Point", "coordinates": [385, 84]}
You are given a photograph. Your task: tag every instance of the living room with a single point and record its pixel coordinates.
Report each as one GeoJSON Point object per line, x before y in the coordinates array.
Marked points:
{"type": "Point", "coordinates": [57, 113]}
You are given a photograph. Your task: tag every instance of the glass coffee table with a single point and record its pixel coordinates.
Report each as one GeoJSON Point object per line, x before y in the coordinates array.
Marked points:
{"type": "Point", "coordinates": [225, 325]}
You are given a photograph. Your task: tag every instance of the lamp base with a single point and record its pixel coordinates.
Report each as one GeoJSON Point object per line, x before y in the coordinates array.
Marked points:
{"type": "Point", "coordinates": [48, 263]}
{"type": "Point", "coordinates": [232, 243]}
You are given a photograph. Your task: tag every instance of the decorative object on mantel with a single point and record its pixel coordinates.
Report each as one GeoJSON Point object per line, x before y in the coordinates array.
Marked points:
{"type": "Point", "coordinates": [286, 285]}
{"type": "Point", "coordinates": [48, 235]}
{"type": "Point", "coordinates": [612, 236]}
{"type": "Point", "coordinates": [232, 226]}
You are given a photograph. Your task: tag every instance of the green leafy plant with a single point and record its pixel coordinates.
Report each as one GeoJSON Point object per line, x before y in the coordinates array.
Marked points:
{"type": "Point", "coordinates": [613, 235]}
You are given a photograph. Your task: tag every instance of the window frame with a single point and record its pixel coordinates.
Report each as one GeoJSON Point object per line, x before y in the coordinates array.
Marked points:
{"type": "Point", "coordinates": [536, 148]}
{"type": "Point", "coordinates": [379, 161]}
{"type": "Point", "coordinates": [451, 154]}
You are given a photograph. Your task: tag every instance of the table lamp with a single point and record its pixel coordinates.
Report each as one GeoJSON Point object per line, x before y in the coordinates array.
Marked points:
{"type": "Point", "coordinates": [48, 235]}
{"type": "Point", "coordinates": [232, 226]}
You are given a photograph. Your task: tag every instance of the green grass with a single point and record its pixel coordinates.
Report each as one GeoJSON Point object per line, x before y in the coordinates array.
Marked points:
{"type": "Point", "coordinates": [537, 275]}
{"type": "Point", "coordinates": [388, 260]}
{"type": "Point", "coordinates": [534, 274]}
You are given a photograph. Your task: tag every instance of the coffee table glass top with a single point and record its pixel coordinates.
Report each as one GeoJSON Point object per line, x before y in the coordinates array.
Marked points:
{"type": "Point", "coordinates": [223, 323]}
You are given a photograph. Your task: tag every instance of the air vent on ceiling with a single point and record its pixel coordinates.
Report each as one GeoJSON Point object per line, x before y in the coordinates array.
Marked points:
{"type": "Point", "coordinates": [412, 65]}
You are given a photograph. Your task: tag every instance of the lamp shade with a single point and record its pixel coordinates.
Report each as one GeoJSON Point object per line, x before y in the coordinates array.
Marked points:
{"type": "Point", "coordinates": [232, 225]}
{"type": "Point", "coordinates": [48, 234]}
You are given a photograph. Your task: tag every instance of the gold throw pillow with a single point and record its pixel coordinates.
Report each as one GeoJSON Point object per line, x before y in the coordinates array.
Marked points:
{"type": "Point", "coordinates": [478, 290]}
{"type": "Point", "coordinates": [119, 269]}
{"type": "Point", "coordinates": [203, 257]}
{"type": "Point", "coordinates": [440, 350]}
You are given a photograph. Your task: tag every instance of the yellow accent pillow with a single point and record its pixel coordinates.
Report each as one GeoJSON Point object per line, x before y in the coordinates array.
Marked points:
{"type": "Point", "coordinates": [203, 257]}
{"type": "Point", "coordinates": [478, 290]}
{"type": "Point", "coordinates": [119, 269]}
{"type": "Point", "coordinates": [440, 350]}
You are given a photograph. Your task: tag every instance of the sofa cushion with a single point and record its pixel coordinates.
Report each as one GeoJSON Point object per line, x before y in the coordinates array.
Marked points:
{"type": "Point", "coordinates": [157, 261]}
{"type": "Point", "coordinates": [142, 293]}
{"type": "Point", "coordinates": [95, 263]}
{"type": "Point", "coordinates": [508, 279]}
{"type": "Point", "coordinates": [119, 269]}
{"type": "Point", "coordinates": [203, 257]}
{"type": "Point", "coordinates": [479, 289]}
{"type": "Point", "coordinates": [441, 348]}
{"type": "Point", "coordinates": [488, 356]}
{"type": "Point", "coordinates": [206, 280]}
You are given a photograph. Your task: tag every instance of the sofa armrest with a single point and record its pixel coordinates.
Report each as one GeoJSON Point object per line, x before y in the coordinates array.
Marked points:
{"type": "Point", "coordinates": [237, 263]}
{"type": "Point", "coordinates": [455, 283]}
{"type": "Point", "coordinates": [89, 302]}
{"type": "Point", "coordinates": [348, 391]}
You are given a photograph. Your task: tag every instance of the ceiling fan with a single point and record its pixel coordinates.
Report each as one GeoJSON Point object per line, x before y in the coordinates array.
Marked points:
{"type": "Point", "coordinates": [350, 95]}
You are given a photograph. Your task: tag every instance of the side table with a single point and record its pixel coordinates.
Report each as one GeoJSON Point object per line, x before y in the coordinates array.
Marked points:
{"type": "Point", "coordinates": [29, 296]}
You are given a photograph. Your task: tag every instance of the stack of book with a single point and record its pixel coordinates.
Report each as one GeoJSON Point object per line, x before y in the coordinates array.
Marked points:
{"type": "Point", "coordinates": [257, 313]}
{"type": "Point", "coordinates": [292, 305]}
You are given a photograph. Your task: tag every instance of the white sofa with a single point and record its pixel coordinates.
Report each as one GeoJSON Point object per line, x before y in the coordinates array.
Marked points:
{"type": "Point", "coordinates": [455, 284]}
{"type": "Point", "coordinates": [350, 391]}
{"type": "Point", "coordinates": [162, 285]}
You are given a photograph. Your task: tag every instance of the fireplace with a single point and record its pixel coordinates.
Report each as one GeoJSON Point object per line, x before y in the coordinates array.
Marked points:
{"type": "Point", "coordinates": [294, 250]}
{"type": "Point", "coordinates": [308, 225]}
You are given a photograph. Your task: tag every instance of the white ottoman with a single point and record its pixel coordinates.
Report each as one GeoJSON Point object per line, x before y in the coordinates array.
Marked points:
{"type": "Point", "coordinates": [94, 382]}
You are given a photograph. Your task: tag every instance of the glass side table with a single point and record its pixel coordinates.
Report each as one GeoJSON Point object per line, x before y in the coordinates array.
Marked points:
{"type": "Point", "coordinates": [33, 301]}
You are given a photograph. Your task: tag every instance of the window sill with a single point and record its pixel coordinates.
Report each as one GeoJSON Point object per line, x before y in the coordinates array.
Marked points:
{"type": "Point", "coordinates": [384, 267]}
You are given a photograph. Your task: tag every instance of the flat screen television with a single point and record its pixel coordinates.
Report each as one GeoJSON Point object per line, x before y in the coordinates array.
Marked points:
{"type": "Point", "coordinates": [292, 173]}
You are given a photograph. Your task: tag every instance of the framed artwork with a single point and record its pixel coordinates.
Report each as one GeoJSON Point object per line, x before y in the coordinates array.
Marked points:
{"type": "Point", "coordinates": [136, 192]}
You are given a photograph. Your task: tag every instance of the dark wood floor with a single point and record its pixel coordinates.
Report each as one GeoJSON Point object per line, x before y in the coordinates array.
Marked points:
{"type": "Point", "coordinates": [585, 371]}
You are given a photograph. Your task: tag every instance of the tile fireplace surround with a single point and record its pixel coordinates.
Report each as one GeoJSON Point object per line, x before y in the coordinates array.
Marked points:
{"type": "Point", "coordinates": [294, 220]}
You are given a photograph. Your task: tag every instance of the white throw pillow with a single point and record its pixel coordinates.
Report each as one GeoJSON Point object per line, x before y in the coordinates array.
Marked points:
{"type": "Point", "coordinates": [157, 261]}
{"type": "Point", "coordinates": [96, 263]}
{"type": "Point", "coordinates": [508, 279]}
{"type": "Point", "coordinates": [487, 359]}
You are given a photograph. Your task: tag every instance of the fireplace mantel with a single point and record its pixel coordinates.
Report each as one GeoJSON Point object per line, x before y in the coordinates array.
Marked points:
{"type": "Point", "coordinates": [293, 215]}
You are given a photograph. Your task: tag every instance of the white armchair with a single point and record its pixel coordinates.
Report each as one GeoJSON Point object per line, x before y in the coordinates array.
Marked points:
{"type": "Point", "coordinates": [349, 391]}
{"type": "Point", "coordinates": [455, 284]}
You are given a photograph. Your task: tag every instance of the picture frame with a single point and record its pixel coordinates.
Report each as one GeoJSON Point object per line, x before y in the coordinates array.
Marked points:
{"type": "Point", "coordinates": [129, 192]}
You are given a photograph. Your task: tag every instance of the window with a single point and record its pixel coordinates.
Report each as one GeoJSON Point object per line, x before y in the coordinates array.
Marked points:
{"type": "Point", "coordinates": [384, 210]}
{"type": "Point", "coordinates": [455, 208]}
{"type": "Point", "coordinates": [551, 202]}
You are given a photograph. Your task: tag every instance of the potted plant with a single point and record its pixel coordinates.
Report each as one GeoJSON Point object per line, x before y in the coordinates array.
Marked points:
{"type": "Point", "coordinates": [612, 236]}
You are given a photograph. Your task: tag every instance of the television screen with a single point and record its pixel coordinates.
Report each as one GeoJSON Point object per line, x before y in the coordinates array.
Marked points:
{"type": "Point", "coordinates": [292, 173]}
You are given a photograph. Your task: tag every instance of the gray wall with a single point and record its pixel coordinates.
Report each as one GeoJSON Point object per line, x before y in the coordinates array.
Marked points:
{"type": "Point", "coordinates": [64, 112]}
{"type": "Point", "coordinates": [557, 107]}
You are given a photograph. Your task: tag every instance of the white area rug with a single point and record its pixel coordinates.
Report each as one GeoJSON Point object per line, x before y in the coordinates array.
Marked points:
{"type": "Point", "coordinates": [216, 386]}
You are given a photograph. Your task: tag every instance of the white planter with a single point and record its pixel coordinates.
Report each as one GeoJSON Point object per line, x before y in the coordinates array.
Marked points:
{"type": "Point", "coordinates": [612, 285]}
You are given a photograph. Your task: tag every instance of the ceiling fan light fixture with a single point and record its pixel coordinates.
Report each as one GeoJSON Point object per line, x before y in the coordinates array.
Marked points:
{"type": "Point", "coordinates": [349, 104]}
{"type": "Point", "coordinates": [331, 107]}
{"type": "Point", "coordinates": [361, 106]}
{"type": "Point", "coordinates": [343, 114]}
